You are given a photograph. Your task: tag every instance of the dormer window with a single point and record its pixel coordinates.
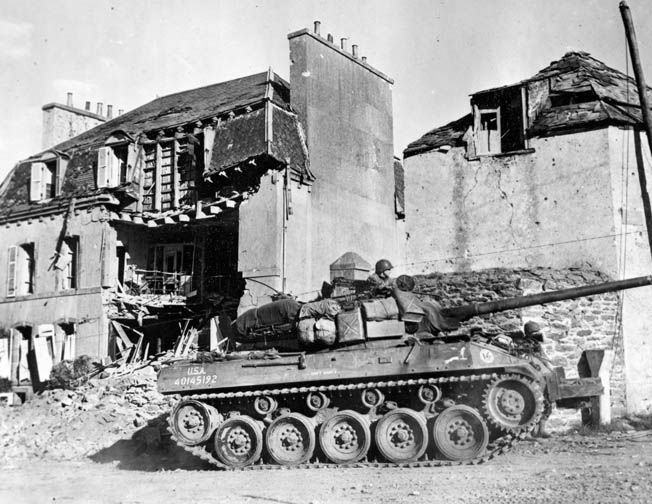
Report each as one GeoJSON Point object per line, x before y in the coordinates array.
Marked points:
{"type": "Point", "coordinates": [46, 177]}
{"type": "Point", "coordinates": [499, 121]}
{"type": "Point", "coordinates": [115, 160]}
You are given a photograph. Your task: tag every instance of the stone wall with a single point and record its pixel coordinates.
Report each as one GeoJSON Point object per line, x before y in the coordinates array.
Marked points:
{"type": "Point", "coordinates": [570, 327]}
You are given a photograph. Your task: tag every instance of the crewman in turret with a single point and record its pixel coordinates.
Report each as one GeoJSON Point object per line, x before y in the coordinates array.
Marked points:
{"type": "Point", "coordinates": [381, 279]}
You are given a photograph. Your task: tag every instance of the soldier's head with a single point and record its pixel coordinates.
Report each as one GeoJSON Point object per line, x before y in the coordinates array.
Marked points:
{"type": "Point", "coordinates": [533, 330]}
{"type": "Point", "coordinates": [383, 268]}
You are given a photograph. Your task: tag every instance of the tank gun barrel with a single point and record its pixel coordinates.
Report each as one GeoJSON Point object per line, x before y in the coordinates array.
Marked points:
{"type": "Point", "coordinates": [466, 312]}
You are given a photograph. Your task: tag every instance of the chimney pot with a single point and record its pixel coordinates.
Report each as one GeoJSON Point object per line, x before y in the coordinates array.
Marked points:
{"type": "Point", "coordinates": [99, 108]}
{"type": "Point", "coordinates": [354, 49]}
{"type": "Point", "coordinates": [343, 44]}
{"type": "Point", "coordinates": [330, 38]}
{"type": "Point", "coordinates": [364, 59]}
{"type": "Point", "coordinates": [88, 106]}
{"type": "Point", "coordinates": [69, 102]}
{"type": "Point", "coordinates": [317, 26]}
{"type": "Point", "coordinates": [120, 111]}
{"type": "Point", "coordinates": [109, 111]}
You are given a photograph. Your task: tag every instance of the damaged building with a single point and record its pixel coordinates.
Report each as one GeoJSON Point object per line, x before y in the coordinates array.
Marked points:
{"type": "Point", "coordinates": [548, 172]}
{"type": "Point", "coordinates": [196, 204]}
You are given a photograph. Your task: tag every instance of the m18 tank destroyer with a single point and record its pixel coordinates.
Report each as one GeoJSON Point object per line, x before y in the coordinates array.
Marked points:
{"type": "Point", "coordinates": [381, 382]}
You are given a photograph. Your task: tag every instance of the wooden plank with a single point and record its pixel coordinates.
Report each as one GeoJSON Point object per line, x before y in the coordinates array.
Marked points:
{"type": "Point", "coordinates": [119, 329]}
{"type": "Point", "coordinates": [582, 387]}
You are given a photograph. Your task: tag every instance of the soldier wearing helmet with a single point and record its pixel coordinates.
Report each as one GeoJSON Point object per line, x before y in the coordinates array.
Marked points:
{"type": "Point", "coordinates": [381, 279]}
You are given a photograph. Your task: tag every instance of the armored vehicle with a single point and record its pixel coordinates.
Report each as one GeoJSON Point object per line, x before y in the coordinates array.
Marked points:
{"type": "Point", "coordinates": [370, 385]}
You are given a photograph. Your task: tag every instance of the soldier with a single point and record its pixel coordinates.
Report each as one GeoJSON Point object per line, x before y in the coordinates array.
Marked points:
{"type": "Point", "coordinates": [533, 332]}
{"type": "Point", "coordinates": [381, 278]}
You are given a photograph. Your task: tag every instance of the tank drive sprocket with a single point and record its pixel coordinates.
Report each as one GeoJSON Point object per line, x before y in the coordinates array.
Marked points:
{"type": "Point", "coordinates": [513, 403]}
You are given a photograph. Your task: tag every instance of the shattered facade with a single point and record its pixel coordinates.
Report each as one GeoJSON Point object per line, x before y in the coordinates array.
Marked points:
{"type": "Point", "coordinates": [196, 204]}
{"type": "Point", "coordinates": [542, 173]}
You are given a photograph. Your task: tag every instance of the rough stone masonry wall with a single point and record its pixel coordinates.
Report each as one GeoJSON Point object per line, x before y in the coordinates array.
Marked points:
{"type": "Point", "coordinates": [570, 327]}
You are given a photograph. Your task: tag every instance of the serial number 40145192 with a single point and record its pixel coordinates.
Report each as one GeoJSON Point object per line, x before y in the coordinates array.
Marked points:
{"type": "Point", "coordinates": [196, 380]}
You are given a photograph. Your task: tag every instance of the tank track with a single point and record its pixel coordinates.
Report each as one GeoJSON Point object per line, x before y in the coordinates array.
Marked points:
{"type": "Point", "coordinates": [499, 446]}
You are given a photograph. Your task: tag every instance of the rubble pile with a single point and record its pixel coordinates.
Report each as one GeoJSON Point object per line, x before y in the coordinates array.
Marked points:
{"type": "Point", "coordinates": [118, 404]}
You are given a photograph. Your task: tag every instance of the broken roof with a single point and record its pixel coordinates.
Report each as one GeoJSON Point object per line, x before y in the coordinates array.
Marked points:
{"type": "Point", "coordinates": [613, 100]}
{"type": "Point", "coordinates": [237, 107]}
{"type": "Point", "coordinates": [179, 109]}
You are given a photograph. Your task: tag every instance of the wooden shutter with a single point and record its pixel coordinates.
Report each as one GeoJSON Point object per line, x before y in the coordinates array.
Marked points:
{"type": "Point", "coordinates": [102, 173]}
{"type": "Point", "coordinates": [134, 154]}
{"type": "Point", "coordinates": [112, 168]}
{"type": "Point", "coordinates": [62, 164]}
{"type": "Point", "coordinates": [35, 185]}
{"type": "Point", "coordinates": [11, 271]}
{"type": "Point", "coordinates": [209, 140]}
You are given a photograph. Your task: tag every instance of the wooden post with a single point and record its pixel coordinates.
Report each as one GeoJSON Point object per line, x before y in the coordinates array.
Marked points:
{"type": "Point", "coordinates": [592, 364]}
{"type": "Point", "coordinates": [645, 110]}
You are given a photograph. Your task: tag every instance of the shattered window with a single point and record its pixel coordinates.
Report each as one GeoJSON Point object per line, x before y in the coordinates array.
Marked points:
{"type": "Point", "coordinates": [499, 122]}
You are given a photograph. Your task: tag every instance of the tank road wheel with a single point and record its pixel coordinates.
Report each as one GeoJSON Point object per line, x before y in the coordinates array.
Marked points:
{"type": "Point", "coordinates": [345, 437]}
{"type": "Point", "coordinates": [193, 422]}
{"type": "Point", "coordinates": [460, 433]}
{"type": "Point", "coordinates": [290, 439]}
{"type": "Point", "coordinates": [401, 435]}
{"type": "Point", "coordinates": [513, 403]}
{"type": "Point", "coordinates": [238, 441]}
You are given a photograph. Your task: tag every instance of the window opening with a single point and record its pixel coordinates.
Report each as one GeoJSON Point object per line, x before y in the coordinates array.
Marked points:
{"type": "Point", "coordinates": [69, 263]}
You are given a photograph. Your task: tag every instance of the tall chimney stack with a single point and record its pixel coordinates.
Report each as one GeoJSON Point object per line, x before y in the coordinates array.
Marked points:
{"type": "Point", "coordinates": [69, 100]}
{"type": "Point", "coordinates": [343, 44]}
{"type": "Point", "coordinates": [99, 108]}
{"type": "Point", "coordinates": [354, 50]}
{"type": "Point", "coordinates": [88, 106]}
{"type": "Point", "coordinates": [317, 27]}
{"type": "Point", "coordinates": [109, 111]}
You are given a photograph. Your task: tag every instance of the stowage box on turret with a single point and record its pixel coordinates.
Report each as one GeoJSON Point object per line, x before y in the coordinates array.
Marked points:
{"type": "Point", "coordinates": [377, 383]}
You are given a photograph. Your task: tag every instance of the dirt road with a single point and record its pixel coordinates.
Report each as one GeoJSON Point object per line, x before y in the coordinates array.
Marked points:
{"type": "Point", "coordinates": [601, 467]}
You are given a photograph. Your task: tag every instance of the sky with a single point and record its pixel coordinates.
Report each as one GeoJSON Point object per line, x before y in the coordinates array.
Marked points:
{"type": "Point", "coordinates": [128, 52]}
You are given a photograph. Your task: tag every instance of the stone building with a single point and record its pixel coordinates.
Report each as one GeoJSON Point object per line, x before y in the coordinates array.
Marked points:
{"type": "Point", "coordinates": [193, 203]}
{"type": "Point", "coordinates": [549, 173]}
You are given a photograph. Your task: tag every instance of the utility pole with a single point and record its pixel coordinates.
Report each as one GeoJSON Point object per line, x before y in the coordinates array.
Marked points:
{"type": "Point", "coordinates": [645, 110]}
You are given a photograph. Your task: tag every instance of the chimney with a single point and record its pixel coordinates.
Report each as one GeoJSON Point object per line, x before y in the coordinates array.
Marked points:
{"type": "Point", "coordinates": [88, 106]}
{"type": "Point", "coordinates": [120, 111]}
{"type": "Point", "coordinates": [364, 59]}
{"type": "Point", "coordinates": [343, 44]}
{"type": "Point", "coordinates": [354, 49]}
{"type": "Point", "coordinates": [330, 38]}
{"type": "Point", "coordinates": [99, 108]}
{"type": "Point", "coordinates": [317, 27]}
{"type": "Point", "coordinates": [109, 111]}
{"type": "Point", "coordinates": [69, 101]}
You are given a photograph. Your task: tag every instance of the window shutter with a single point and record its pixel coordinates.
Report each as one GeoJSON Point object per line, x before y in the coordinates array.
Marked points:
{"type": "Point", "coordinates": [102, 170]}
{"type": "Point", "coordinates": [209, 140]}
{"type": "Point", "coordinates": [35, 186]}
{"type": "Point", "coordinates": [58, 176]}
{"type": "Point", "coordinates": [112, 168]}
{"type": "Point", "coordinates": [11, 272]}
{"type": "Point", "coordinates": [134, 154]}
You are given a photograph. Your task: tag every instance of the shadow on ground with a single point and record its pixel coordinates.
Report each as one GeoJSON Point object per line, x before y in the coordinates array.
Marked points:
{"type": "Point", "coordinates": [149, 449]}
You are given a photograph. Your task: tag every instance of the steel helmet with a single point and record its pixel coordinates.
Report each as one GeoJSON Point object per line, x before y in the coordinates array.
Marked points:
{"type": "Point", "coordinates": [382, 266]}
{"type": "Point", "coordinates": [532, 330]}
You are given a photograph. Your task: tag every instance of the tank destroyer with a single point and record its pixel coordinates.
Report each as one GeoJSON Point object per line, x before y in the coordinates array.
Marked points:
{"type": "Point", "coordinates": [369, 385]}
